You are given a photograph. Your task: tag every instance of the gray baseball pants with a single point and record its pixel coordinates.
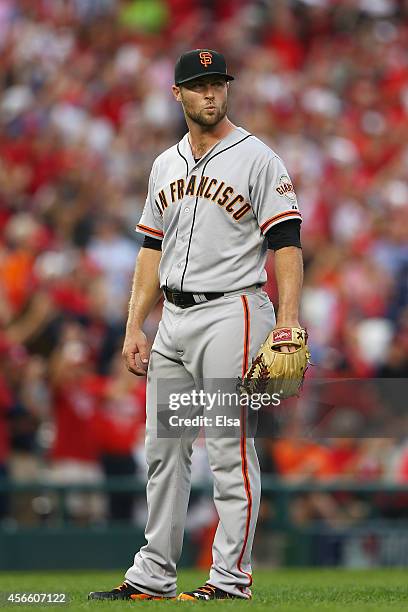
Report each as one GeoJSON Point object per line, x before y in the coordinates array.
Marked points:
{"type": "Point", "coordinates": [210, 340]}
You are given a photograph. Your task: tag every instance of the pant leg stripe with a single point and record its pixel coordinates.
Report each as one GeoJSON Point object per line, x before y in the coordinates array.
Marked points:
{"type": "Point", "coordinates": [244, 463]}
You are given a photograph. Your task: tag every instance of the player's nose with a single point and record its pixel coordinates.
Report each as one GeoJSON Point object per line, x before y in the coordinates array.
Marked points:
{"type": "Point", "coordinates": [209, 92]}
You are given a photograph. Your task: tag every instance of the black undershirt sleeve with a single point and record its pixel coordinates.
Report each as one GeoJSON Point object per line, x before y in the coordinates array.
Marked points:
{"type": "Point", "coordinates": [152, 243]}
{"type": "Point", "coordinates": [281, 235]}
{"type": "Point", "coordinates": [284, 234]}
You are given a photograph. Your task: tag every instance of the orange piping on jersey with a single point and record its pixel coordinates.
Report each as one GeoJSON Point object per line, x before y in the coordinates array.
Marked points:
{"type": "Point", "coordinates": [244, 463]}
{"type": "Point", "coordinates": [288, 213]}
{"type": "Point", "coordinates": [244, 300]}
{"type": "Point", "coordinates": [150, 230]}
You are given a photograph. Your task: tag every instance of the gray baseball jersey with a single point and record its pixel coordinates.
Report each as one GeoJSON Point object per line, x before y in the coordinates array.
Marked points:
{"type": "Point", "coordinates": [222, 205]}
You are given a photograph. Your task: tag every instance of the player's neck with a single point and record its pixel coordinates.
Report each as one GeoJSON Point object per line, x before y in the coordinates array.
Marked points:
{"type": "Point", "coordinates": [203, 138]}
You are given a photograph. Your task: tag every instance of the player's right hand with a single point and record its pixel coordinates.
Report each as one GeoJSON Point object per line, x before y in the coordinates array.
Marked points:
{"type": "Point", "coordinates": [136, 353]}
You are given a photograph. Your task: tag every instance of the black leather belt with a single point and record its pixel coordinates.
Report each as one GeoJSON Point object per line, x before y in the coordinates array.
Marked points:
{"type": "Point", "coordinates": [185, 300]}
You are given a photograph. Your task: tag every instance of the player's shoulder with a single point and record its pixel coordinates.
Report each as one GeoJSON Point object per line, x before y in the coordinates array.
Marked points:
{"type": "Point", "coordinates": [165, 156]}
{"type": "Point", "coordinates": [260, 151]}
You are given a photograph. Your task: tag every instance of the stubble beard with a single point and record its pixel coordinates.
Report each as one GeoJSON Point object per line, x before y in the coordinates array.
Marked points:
{"type": "Point", "coordinates": [207, 120]}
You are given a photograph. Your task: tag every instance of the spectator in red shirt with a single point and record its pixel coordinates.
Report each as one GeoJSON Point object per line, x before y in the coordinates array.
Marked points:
{"type": "Point", "coordinates": [76, 392]}
{"type": "Point", "coordinates": [118, 427]}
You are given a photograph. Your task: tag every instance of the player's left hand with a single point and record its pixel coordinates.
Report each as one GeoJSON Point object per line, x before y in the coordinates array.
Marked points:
{"type": "Point", "coordinates": [286, 348]}
{"type": "Point", "coordinates": [280, 364]}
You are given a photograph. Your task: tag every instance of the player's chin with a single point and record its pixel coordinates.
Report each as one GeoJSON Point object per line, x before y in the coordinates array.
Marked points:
{"type": "Point", "coordinates": [209, 118]}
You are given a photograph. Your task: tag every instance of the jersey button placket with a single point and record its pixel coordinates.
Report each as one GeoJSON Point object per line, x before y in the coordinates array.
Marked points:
{"type": "Point", "coordinates": [183, 234]}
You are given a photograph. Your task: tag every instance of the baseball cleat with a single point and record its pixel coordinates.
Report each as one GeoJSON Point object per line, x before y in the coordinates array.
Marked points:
{"type": "Point", "coordinates": [205, 593]}
{"type": "Point", "coordinates": [125, 591]}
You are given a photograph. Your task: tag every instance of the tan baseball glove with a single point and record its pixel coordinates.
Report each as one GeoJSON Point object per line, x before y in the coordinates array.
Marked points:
{"type": "Point", "coordinates": [275, 372]}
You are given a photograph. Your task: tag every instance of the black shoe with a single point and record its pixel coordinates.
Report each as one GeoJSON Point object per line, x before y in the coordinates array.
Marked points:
{"type": "Point", "coordinates": [206, 593]}
{"type": "Point", "coordinates": [125, 591]}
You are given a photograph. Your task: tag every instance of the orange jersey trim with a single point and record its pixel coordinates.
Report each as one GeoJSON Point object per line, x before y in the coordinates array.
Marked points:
{"type": "Point", "coordinates": [247, 323]}
{"type": "Point", "coordinates": [150, 230]}
{"type": "Point", "coordinates": [244, 463]}
{"type": "Point", "coordinates": [288, 213]}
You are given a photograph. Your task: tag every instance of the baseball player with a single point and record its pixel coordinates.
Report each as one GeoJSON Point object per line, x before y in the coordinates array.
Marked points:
{"type": "Point", "coordinates": [216, 202]}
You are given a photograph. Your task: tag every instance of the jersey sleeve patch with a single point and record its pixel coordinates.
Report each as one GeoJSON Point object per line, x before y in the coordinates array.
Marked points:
{"type": "Point", "coordinates": [150, 231]}
{"type": "Point", "coordinates": [283, 216]}
{"type": "Point", "coordinates": [273, 197]}
{"type": "Point", "coordinates": [284, 188]}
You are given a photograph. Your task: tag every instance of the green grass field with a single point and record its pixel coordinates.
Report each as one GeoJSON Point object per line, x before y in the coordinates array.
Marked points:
{"type": "Point", "coordinates": [282, 590]}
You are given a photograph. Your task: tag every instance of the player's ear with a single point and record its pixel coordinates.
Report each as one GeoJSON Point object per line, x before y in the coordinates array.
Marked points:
{"type": "Point", "coordinates": [176, 92]}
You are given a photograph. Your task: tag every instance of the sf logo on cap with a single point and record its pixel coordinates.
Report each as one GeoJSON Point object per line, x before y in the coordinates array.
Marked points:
{"type": "Point", "coordinates": [205, 58]}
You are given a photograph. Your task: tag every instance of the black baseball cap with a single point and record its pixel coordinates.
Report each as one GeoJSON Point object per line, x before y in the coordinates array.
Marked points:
{"type": "Point", "coordinates": [200, 62]}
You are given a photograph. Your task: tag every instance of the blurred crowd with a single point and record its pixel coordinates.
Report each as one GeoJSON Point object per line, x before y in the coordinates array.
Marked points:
{"type": "Point", "coordinates": [85, 106]}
